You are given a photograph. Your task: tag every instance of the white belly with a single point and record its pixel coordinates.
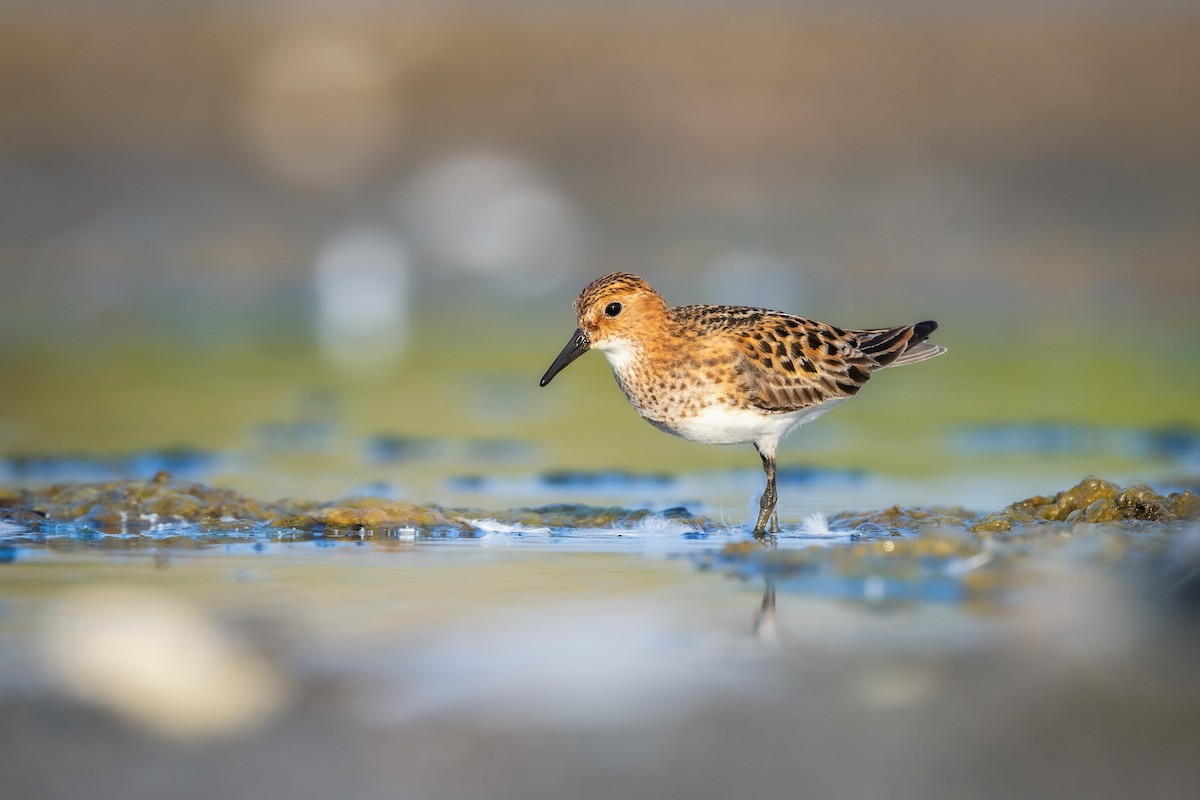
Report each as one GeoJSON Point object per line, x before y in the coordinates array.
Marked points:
{"type": "Point", "coordinates": [698, 413]}
{"type": "Point", "coordinates": [728, 425]}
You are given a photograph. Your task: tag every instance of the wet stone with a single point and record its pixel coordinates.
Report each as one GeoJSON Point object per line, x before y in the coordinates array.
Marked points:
{"type": "Point", "coordinates": [1140, 502]}
{"type": "Point", "coordinates": [1097, 501]}
{"type": "Point", "coordinates": [994, 523]}
{"type": "Point", "coordinates": [953, 555]}
{"type": "Point", "coordinates": [897, 519]}
{"type": "Point", "coordinates": [370, 514]}
{"type": "Point", "coordinates": [933, 567]}
{"type": "Point", "coordinates": [1184, 505]}
{"type": "Point", "coordinates": [121, 506]}
{"type": "Point", "coordinates": [164, 508]}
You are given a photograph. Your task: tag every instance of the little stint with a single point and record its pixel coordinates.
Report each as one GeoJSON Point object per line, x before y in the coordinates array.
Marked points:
{"type": "Point", "coordinates": [730, 374]}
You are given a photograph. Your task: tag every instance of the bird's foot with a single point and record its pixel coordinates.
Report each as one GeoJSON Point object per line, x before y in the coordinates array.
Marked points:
{"type": "Point", "coordinates": [766, 526]}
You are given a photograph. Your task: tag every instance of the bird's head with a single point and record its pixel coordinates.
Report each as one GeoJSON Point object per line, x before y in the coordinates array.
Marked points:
{"type": "Point", "coordinates": [614, 313]}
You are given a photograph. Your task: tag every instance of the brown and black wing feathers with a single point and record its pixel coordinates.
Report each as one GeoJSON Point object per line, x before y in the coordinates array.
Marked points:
{"type": "Point", "coordinates": [787, 363]}
{"type": "Point", "coordinates": [790, 363]}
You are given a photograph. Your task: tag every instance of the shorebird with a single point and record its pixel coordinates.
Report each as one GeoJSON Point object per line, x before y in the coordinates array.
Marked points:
{"type": "Point", "coordinates": [730, 374]}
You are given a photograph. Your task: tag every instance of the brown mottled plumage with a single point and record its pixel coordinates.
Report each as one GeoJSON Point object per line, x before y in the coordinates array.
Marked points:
{"type": "Point", "coordinates": [730, 374]}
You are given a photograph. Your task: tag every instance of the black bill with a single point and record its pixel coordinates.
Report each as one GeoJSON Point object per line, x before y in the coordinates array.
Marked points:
{"type": "Point", "coordinates": [578, 345]}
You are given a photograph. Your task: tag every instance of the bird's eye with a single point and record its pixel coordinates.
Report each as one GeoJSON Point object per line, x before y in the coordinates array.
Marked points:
{"type": "Point", "coordinates": [612, 309]}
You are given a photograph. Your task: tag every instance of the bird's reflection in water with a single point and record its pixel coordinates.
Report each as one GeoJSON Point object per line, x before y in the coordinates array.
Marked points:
{"type": "Point", "coordinates": [764, 629]}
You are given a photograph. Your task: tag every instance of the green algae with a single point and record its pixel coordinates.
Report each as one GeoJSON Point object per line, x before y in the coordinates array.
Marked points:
{"type": "Point", "coordinates": [116, 506]}
{"type": "Point", "coordinates": [371, 514]}
{"type": "Point", "coordinates": [896, 556]}
{"type": "Point", "coordinates": [912, 559]}
{"type": "Point", "coordinates": [1095, 501]}
{"type": "Point", "coordinates": [122, 507]}
{"type": "Point", "coordinates": [898, 519]}
{"type": "Point", "coordinates": [162, 503]}
{"type": "Point", "coordinates": [950, 554]}
{"type": "Point", "coordinates": [135, 507]}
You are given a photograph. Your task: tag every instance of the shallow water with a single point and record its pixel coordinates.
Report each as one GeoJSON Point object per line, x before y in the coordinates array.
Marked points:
{"type": "Point", "coordinates": [571, 650]}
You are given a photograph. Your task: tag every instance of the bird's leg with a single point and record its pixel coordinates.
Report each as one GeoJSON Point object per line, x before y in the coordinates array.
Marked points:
{"type": "Point", "coordinates": [766, 503]}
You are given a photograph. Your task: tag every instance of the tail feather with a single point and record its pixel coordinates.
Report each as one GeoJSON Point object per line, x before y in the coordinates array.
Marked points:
{"type": "Point", "coordinates": [900, 345]}
{"type": "Point", "coordinates": [918, 352]}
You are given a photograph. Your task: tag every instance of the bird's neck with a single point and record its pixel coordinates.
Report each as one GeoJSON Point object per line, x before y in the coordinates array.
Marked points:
{"type": "Point", "coordinates": [625, 356]}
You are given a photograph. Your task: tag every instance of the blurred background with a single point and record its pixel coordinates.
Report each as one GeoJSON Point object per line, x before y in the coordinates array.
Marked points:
{"type": "Point", "coordinates": [350, 229]}
{"type": "Point", "coordinates": [318, 248]}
